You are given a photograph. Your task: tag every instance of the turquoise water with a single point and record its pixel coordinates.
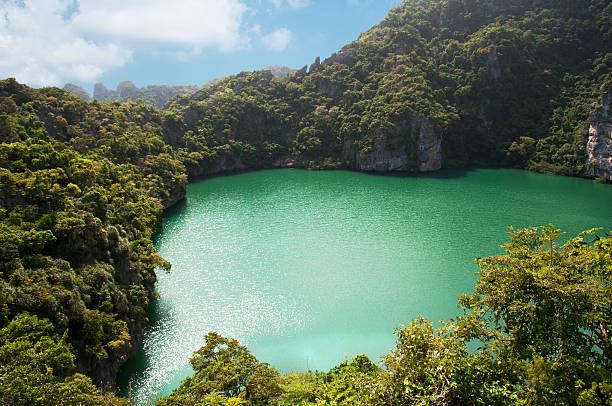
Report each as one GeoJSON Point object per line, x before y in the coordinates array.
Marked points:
{"type": "Point", "coordinates": [309, 268]}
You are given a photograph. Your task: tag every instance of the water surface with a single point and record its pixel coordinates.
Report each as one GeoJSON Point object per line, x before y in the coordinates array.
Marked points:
{"type": "Point", "coordinates": [309, 268]}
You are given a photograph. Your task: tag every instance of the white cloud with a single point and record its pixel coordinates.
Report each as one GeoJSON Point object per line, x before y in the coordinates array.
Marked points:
{"type": "Point", "coordinates": [39, 48]}
{"type": "Point", "coordinates": [48, 42]}
{"type": "Point", "coordinates": [199, 23]}
{"type": "Point", "coordinates": [256, 29]}
{"type": "Point", "coordinates": [278, 40]}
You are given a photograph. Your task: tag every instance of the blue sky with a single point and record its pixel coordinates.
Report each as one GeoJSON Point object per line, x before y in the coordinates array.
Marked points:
{"type": "Point", "coordinates": [50, 42]}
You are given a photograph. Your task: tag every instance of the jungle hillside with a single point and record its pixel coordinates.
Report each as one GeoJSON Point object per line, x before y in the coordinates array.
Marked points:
{"type": "Point", "coordinates": [436, 84]}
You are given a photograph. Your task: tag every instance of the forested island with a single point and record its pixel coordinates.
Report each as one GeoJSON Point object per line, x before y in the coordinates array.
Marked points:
{"type": "Point", "coordinates": [438, 83]}
{"type": "Point", "coordinates": [152, 95]}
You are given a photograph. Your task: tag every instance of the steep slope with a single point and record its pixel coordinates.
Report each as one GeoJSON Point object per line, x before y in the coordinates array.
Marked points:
{"type": "Point", "coordinates": [437, 83]}
{"type": "Point", "coordinates": [82, 188]}
{"type": "Point", "coordinates": [152, 95]}
{"type": "Point", "coordinates": [599, 147]}
{"type": "Point", "coordinates": [78, 90]}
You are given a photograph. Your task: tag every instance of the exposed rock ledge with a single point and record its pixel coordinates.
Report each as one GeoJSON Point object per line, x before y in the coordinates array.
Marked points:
{"type": "Point", "coordinates": [178, 192]}
{"type": "Point", "coordinates": [417, 149]}
{"type": "Point", "coordinates": [424, 154]}
{"type": "Point", "coordinates": [599, 147]}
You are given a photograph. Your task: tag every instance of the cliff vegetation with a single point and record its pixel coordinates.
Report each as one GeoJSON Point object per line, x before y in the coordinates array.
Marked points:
{"type": "Point", "coordinates": [455, 83]}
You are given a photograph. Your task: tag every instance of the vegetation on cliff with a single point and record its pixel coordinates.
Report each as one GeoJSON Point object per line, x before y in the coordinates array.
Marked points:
{"type": "Point", "coordinates": [500, 83]}
{"type": "Point", "coordinates": [82, 188]}
{"type": "Point", "coordinates": [152, 95]}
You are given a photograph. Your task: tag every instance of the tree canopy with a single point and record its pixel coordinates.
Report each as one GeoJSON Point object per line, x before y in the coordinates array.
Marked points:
{"type": "Point", "coordinates": [499, 83]}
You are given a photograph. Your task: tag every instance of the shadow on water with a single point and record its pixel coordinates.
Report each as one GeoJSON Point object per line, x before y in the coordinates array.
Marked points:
{"type": "Point", "coordinates": [135, 366]}
{"type": "Point", "coordinates": [173, 211]}
{"type": "Point", "coordinates": [446, 173]}
{"type": "Point", "coordinates": [226, 173]}
{"type": "Point", "coordinates": [396, 243]}
{"type": "Point", "coordinates": [440, 174]}
{"type": "Point", "coordinates": [177, 208]}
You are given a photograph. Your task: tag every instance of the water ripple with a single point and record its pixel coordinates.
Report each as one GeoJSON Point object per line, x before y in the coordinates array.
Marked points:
{"type": "Point", "coordinates": [307, 268]}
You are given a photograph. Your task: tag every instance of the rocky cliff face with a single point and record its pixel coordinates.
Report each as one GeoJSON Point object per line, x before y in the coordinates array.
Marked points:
{"type": "Point", "coordinates": [153, 95]}
{"type": "Point", "coordinates": [220, 165]}
{"type": "Point", "coordinates": [416, 147]}
{"type": "Point", "coordinates": [385, 157]}
{"type": "Point", "coordinates": [78, 90]}
{"type": "Point", "coordinates": [428, 145]}
{"type": "Point", "coordinates": [127, 90]}
{"type": "Point", "coordinates": [101, 92]}
{"type": "Point", "coordinates": [599, 147]}
{"type": "Point", "coordinates": [423, 152]}
{"type": "Point", "coordinates": [177, 194]}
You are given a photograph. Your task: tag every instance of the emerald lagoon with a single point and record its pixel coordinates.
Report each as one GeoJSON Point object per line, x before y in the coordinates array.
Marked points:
{"type": "Point", "coordinates": [310, 268]}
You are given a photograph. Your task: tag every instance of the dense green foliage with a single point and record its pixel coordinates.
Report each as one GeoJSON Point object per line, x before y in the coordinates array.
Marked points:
{"type": "Point", "coordinates": [506, 83]}
{"type": "Point", "coordinates": [152, 95]}
{"type": "Point", "coordinates": [83, 186]}
{"type": "Point", "coordinates": [541, 314]}
{"type": "Point", "coordinates": [547, 309]}
{"type": "Point", "coordinates": [34, 361]}
{"type": "Point", "coordinates": [226, 373]}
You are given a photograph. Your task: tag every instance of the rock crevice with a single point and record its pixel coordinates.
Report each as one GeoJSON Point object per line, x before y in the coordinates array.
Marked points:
{"type": "Point", "coordinates": [418, 148]}
{"type": "Point", "coordinates": [599, 146]}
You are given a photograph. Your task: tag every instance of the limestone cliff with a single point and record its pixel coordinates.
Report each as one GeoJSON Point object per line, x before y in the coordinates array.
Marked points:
{"type": "Point", "coordinates": [153, 95]}
{"type": "Point", "coordinates": [599, 147]}
{"type": "Point", "coordinates": [177, 194]}
{"type": "Point", "coordinates": [419, 152]}
{"type": "Point", "coordinates": [415, 147]}
{"type": "Point", "coordinates": [78, 90]}
{"type": "Point", "coordinates": [220, 165]}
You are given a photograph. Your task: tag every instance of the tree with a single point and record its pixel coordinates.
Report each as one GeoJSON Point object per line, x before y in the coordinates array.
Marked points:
{"type": "Point", "coordinates": [541, 314]}
{"type": "Point", "coordinates": [545, 311]}
{"type": "Point", "coordinates": [227, 372]}
{"type": "Point", "coordinates": [34, 364]}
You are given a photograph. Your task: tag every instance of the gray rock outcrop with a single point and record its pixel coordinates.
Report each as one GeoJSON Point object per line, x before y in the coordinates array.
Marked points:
{"type": "Point", "coordinates": [423, 153]}
{"type": "Point", "coordinates": [346, 56]}
{"type": "Point", "coordinates": [101, 92]}
{"type": "Point", "coordinates": [127, 90]}
{"type": "Point", "coordinates": [78, 90]}
{"type": "Point", "coordinates": [428, 144]}
{"type": "Point", "coordinates": [280, 71]}
{"type": "Point", "coordinates": [599, 146]}
{"type": "Point", "coordinates": [315, 64]}
{"type": "Point", "coordinates": [383, 158]}
{"type": "Point", "coordinates": [152, 95]}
